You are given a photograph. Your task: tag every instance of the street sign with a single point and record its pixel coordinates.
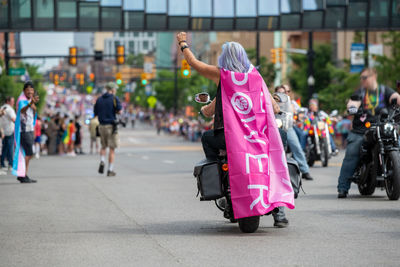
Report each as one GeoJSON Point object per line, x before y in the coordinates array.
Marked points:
{"type": "Point", "coordinates": [148, 67]}
{"type": "Point", "coordinates": [16, 72]}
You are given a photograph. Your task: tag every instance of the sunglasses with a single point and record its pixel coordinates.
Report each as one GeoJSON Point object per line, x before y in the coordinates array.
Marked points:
{"type": "Point", "coordinates": [288, 91]}
{"type": "Point", "coordinates": [364, 77]}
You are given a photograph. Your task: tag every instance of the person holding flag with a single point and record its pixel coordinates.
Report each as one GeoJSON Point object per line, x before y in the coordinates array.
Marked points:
{"type": "Point", "coordinates": [24, 132]}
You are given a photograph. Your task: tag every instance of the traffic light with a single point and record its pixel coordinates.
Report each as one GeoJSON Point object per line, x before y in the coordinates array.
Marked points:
{"type": "Point", "coordinates": [143, 78]}
{"type": "Point", "coordinates": [72, 59]}
{"type": "Point", "coordinates": [118, 78]}
{"type": "Point", "coordinates": [273, 55]}
{"type": "Point", "coordinates": [185, 69]}
{"type": "Point", "coordinates": [280, 52]}
{"type": "Point", "coordinates": [120, 54]}
{"type": "Point", "coordinates": [91, 76]}
{"type": "Point", "coordinates": [56, 79]}
{"type": "Point", "coordinates": [82, 79]}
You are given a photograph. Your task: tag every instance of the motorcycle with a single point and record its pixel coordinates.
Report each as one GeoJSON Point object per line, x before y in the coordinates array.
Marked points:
{"type": "Point", "coordinates": [379, 158]}
{"type": "Point", "coordinates": [213, 184]}
{"type": "Point", "coordinates": [318, 142]}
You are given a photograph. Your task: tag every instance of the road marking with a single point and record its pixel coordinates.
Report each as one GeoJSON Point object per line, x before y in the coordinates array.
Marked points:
{"type": "Point", "coordinates": [133, 140]}
{"type": "Point", "coordinates": [130, 154]}
{"type": "Point", "coordinates": [145, 158]}
{"type": "Point", "coordinates": [169, 161]}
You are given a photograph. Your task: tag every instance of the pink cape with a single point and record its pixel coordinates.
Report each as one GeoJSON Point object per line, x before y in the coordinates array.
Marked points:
{"type": "Point", "coordinates": [258, 172]}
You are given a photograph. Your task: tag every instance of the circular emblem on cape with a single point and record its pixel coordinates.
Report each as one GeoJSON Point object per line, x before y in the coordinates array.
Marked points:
{"type": "Point", "coordinates": [241, 103]}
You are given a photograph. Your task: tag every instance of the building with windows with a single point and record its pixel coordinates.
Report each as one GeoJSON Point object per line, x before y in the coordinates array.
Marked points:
{"type": "Point", "coordinates": [134, 42]}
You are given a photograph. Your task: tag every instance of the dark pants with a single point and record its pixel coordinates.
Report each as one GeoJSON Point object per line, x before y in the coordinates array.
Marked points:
{"type": "Point", "coordinates": [7, 150]}
{"type": "Point", "coordinates": [350, 161]}
{"type": "Point", "coordinates": [212, 142]}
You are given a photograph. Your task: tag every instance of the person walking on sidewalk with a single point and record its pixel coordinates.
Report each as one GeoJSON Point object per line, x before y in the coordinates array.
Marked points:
{"type": "Point", "coordinates": [106, 108]}
{"type": "Point", "coordinates": [24, 137]}
{"type": "Point", "coordinates": [8, 117]}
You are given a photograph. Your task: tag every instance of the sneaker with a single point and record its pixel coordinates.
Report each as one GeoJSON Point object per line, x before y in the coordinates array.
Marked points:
{"type": "Point", "coordinates": [307, 176]}
{"type": "Point", "coordinates": [342, 194]}
{"type": "Point", "coordinates": [111, 173]}
{"type": "Point", "coordinates": [283, 223]}
{"type": "Point", "coordinates": [26, 180]}
{"type": "Point", "coordinates": [335, 153]}
{"type": "Point", "coordinates": [4, 168]}
{"type": "Point", "coordinates": [101, 167]}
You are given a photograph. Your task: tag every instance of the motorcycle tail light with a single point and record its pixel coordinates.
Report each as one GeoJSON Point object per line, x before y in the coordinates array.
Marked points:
{"type": "Point", "coordinates": [311, 132]}
{"type": "Point", "coordinates": [225, 167]}
{"type": "Point", "coordinates": [368, 124]}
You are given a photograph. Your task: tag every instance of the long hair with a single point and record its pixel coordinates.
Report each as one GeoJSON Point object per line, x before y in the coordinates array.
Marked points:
{"type": "Point", "coordinates": [234, 58]}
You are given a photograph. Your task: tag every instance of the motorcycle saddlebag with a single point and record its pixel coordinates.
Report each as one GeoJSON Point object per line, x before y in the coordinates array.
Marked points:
{"type": "Point", "coordinates": [209, 181]}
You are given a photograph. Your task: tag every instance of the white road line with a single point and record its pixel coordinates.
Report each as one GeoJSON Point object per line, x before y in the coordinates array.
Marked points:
{"type": "Point", "coordinates": [169, 161]}
{"type": "Point", "coordinates": [133, 140]}
{"type": "Point", "coordinates": [145, 158]}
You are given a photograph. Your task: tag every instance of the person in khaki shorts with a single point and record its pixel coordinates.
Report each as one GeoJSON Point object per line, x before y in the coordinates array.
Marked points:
{"type": "Point", "coordinates": [106, 108]}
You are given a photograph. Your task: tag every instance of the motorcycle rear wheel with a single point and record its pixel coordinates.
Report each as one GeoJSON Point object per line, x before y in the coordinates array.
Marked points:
{"type": "Point", "coordinates": [392, 183]}
{"type": "Point", "coordinates": [310, 157]}
{"type": "Point", "coordinates": [367, 187]}
{"type": "Point", "coordinates": [249, 224]}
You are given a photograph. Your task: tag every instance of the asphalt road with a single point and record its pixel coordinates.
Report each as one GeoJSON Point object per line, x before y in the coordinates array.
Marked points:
{"type": "Point", "coordinates": [148, 215]}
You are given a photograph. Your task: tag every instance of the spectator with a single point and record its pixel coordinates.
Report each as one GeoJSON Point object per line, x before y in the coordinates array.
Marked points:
{"type": "Point", "coordinates": [8, 117]}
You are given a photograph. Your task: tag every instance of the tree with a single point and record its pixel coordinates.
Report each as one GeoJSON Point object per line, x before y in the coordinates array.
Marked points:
{"type": "Point", "coordinates": [135, 60]}
{"type": "Point", "coordinates": [266, 69]}
{"type": "Point", "coordinates": [388, 68]}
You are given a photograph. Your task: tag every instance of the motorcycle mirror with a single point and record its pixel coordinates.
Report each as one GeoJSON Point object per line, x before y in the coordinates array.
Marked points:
{"type": "Point", "coordinates": [384, 113]}
{"type": "Point", "coordinates": [394, 102]}
{"type": "Point", "coordinates": [334, 113]}
{"type": "Point", "coordinates": [202, 98]}
{"type": "Point", "coordinates": [283, 98]}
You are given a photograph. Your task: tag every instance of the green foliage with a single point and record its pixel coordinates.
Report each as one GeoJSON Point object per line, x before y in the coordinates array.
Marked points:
{"type": "Point", "coordinates": [266, 69]}
{"type": "Point", "coordinates": [333, 85]}
{"type": "Point", "coordinates": [389, 67]}
{"type": "Point", "coordinates": [9, 86]}
{"type": "Point", "coordinates": [135, 60]}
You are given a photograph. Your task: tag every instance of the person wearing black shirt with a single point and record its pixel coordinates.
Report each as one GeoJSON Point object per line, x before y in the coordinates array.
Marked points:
{"type": "Point", "coordinates": [370, 99]}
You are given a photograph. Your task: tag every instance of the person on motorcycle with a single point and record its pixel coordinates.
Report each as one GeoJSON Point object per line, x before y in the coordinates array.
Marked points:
{"type": "Point", "coordinates": [234, 58]}
{"type": "Point", "coordinates": [314, 112]}
{"type": "Point", "coordinates": [293, 142]}
{"type": "Point", "coordinates": [365, 103]}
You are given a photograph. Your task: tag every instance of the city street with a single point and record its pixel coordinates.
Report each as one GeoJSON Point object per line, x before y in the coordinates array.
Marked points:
{"type": "Point", "coordinates": [148, 215]}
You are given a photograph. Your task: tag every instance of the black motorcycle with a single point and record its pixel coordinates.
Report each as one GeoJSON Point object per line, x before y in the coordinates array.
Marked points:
{"type": "Point", "coordinates": [379, 157]}
{"type": "Point", "coordinates": [318, 143]}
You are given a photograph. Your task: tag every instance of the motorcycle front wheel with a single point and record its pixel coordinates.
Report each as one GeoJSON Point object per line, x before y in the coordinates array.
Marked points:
{"type": "Point", "coordinates": [392, 182]}
{"type": "Point", "coordinates": [366, 186]}
{"type": "Point", "coordinates": [249, 224]}
{"type": "Point", "coordinates": [310, 155]}
{"type": "Point", "coordinates": [324, 152]}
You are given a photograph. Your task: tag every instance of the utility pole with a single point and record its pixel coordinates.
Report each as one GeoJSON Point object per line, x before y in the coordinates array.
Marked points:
{"type": "Point", "coordinates": [366, 48]}
{"type": "Point", "coordinates": [176, 84]}
{"type": "Point", "coordinates": [310, 74]}
{"type": "Point", "coordinates": [6, 55]}
{"type": "Point", "coordinates": [258, 48]}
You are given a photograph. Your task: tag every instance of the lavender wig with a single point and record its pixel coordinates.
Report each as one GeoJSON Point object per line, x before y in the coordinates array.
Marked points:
{"type": "Point", "coordinates": [234, 58]}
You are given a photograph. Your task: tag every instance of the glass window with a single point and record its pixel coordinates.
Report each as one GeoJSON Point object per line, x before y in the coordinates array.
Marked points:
{"type": "Point", "coordinates": [156, 22]}
{"type": "Point", "coordinates": [290, 6]}
{"type": "Point", "coordinates": [43, 14]}
{"type": "Point", "coordinates": [131, 47]}
{"type": "Point", "coordinates": [136, 5]}
{"type": "Point", "coordinates": [150, 34]}
{"type": "Point", "coordinates": [121, 34]}
{"type": "Point", "coordinates": [201, 24]}
{"type": "Point", "coordinates": [201, 8]}
{"type": "Point", "coordinates": [178, 7]}
{"type": "Point", "coordinates": [246, 8]}
{"type": "Point", "coordinates": [20, 14]}
{"type": "Point", "coordinates": [133, 21]}
{"type": "Point", "coordinates": [110, 18]}
{"type": "Point", "coordinates": [379, 13]}
{"type": "Point", "coordinates": [111, 2]}
{"type": "Point", "coordinates": [268, 8]}
{"type": "Point", "coordinates": [178, 23]}
{"type": "Point", "coordinates": [334, 18]}
{"type": "Point", "coordinates": [313, 4]}
{"type": "Point", "coordinates": [156, 6]}
{"type": "Point", "coordinates": [336, 2]}
{"type": "Point", "coordinates": [66, 14]}
{"type": "Point", "coordinates": [268, 23]}
{"type": "Point", "coordinates": [116, 43]}
{"type": "Point", "coordinates": [4, 15]}
{"type": "Point", "coordinates": [246, 23]}
{"type": "Point", "coordinates": [223, 8]}
{"type": "Point", "coordinates": [357, 15]}
{"type": "Point", "coordinates": [136, 34]}
{"type": "Point", "coordinates": [290, 22]}
{"type": "Point", "coordinates": [88, 16]}
{"type": "Point", "coordinates": [223, 24]}
{"type": "Point", "coordinates": [396, 13]}
{"type": "Point", "coordinates": [145, 45]}
{"type": "Point", "coordinates": [312, 19]}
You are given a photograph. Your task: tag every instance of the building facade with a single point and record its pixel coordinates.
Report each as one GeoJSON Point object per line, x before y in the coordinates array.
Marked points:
{"type": "Point", "coordinates": [134, 42]}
